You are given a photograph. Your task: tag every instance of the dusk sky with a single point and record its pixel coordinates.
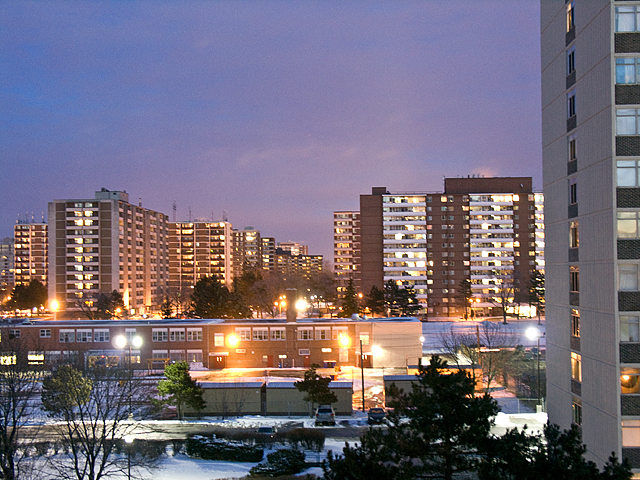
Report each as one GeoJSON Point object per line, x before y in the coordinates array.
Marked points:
{"type": "Point", "coordinates": [277, 113]}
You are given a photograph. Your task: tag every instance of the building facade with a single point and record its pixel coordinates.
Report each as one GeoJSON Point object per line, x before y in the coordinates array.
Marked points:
{"type": "Point", "coordinates": [591, 149]}
{"type": "Point", "coordinates": [216, 344]}
{"type": "Point", "coordinates": [197, 250]}
{"type": "Point", "coordinates": [247, 246]}
{"type": "Point", "coordinates": [7, 280]}
{"type": "Point", "coordinates": [30, 252]}
{"type": "Point", "coordinates": [104, 244]}
{"type": "Point", "coordinates": [346, 249]}
{"type": "Point", "coordinates": [481, 230]}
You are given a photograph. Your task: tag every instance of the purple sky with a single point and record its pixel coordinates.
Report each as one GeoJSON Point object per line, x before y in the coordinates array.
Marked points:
{"type": "Point", "coordinates": [277, 112]}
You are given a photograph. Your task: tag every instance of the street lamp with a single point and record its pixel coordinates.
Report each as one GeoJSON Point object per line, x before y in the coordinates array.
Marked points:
{"type": "Point", "coordinates": [54, 305]}
{"type": "Point", "coordinates": [121, 342]}
{"type": "Point", "coordinates": [533, 333]}
{"type": "Point", "coordinates": [128, 439]}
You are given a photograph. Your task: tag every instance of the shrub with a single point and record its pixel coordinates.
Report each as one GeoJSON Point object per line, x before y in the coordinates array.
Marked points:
{"type": "Point", "coordinates": [306, 438]}
{"type": "Point", "coordinates": [217, 449]}
{"type": "Point", "coordinates": [281, 462]}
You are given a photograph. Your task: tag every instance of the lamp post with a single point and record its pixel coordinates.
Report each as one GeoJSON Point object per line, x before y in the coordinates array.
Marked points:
{"type": "Point", "coordinates": [128, 440]}
{"type": "Point", "coordinates": [121, 342]}
{"type": "Point", "coordinates": [362, 372]}
{"type": "Point", "coordinates": [54, 305]}
{"type": "Point", "coordinates": [533, 333]}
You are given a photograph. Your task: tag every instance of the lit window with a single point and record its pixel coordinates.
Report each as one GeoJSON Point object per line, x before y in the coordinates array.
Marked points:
{"type": "Point", "coordinates": [571, 16]}
{"type": "Point", "coordinates": [628, 225]}
{"type": "Point", "coordinates": [574, 278]}
{"type": "Point", "coordinates": [576, 367]}
{"type": "Point", "coordinates": [575, 323]}
{"type": "Point", "coordinates": [628, 277]}
{"type": "Point", "coordinates": [218, 339]}
{"type": "Point", "coordinates": [574, 239]}
{"type": "Point", "coordinates": [629, 380]}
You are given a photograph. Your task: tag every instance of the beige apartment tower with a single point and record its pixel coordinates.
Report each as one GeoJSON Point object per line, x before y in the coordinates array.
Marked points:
{"type": "Point", "coordinates": [104, 244]}
{"type": "Point", "coordinates": [591, 156]}
{"type": "Point", "coordinates": [30, 242]}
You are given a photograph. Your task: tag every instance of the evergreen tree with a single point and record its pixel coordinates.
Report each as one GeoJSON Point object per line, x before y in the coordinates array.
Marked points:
{"type": "Point", "coordinates": [536, 291]}
{"type": "Point", "coordinates": [210, 299]}
{"type": "Point", "coordinates": [181, 389]}
{"type": "Point", "coordinates": [465, 294]}
{"type": "Point", "coordinates": [434, 431]}
{"type": "Point", "coordinates": [316, 387]}
{"type": "Point", "coordinates": [33, 295]}
{"type": "Point", "coordinates": [401, 302]}
{"type": "Point", "coordinates": [375, 301]}
{"type": "Point", "coordinates": [167, 307]}
{"type": "Point", "coordinates": [350, 301]}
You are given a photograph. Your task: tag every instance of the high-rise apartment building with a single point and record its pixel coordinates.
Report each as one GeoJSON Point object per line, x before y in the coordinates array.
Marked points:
{"type": "Point", "coordinates": [268, 253]}
{"type": "Point", "coordinates": [247, 247]}
{"type": "Point", "coordinates": [591, 155]}
{"type": "Point", "coordinates": [6, 265]}
{"type": "Point", "coordinates": [197, 250]}
{"type": "Point", "coordinates": [30, 242]}
{"type": "Point", "coordinates": [104, 244]}
{"type": "Point", "coordinates": [346, 249]}
{"type": "Point", "coordinates": [479, 229]}
{"type": "Point", "coordinates": [294, 247]}
{"type": "Point", "coordinates": [304, 266]}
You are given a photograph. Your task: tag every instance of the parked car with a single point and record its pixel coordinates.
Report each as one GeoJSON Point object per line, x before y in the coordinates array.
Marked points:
{"type": "Point", "coordinates": [325, 415]}
{"type": "Point", "coordinates": [376, 415]}
{"type": "Point", "coordinates": [267, 430]}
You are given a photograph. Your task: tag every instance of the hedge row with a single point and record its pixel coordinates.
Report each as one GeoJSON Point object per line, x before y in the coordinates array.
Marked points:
{"type": "Point", "coordinates": [219, 449]}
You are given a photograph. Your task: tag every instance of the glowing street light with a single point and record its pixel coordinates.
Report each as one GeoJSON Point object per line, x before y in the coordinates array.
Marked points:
{"type": "Point", "coordinates": [121, 342]}
{"type": "Point", "coordinates": [533, 333]}
{"type": "Point", "coordinates": [232, 341]}
{"type": "Point", "coordinates": [54, 305]}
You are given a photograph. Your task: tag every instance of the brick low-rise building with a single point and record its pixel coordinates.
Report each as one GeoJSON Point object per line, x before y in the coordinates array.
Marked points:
{"type": "Point", "coordinates": [217, 344]}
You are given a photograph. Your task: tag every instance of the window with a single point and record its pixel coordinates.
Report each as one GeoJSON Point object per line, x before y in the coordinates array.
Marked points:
{"type": "Point", "coordinates": [176, 356]}
{"type": "Point", "coordinates": [323, 333]}
{"type": "Point", "coordinates": [261, 333]}
{"type": "Point", "coordinates": [101, 335]}
{"type": "Point", "coordinates": [45, 333]}
{"type": "Point", "coordinates": [574, 238]}
{"type": "Point", "coordinates": [628, 225]}
{"type": "Point", "coordinates": [244, 334]}
{"type": "Point", "coordinates": [218, 339]}
{"type": "Point", "coordinates": [129, 334]}
{"type": "Point", "coordinates": [278, 334]}
{"type": "Point", "coordinates": [571, 18]}
{"type": "Point", "coordinates": [305, 333]}
{"type": "Point", "coordinates": [571, 60]}
{"type": "Point", "coordinates": [627, 19]}
{"type": "Point", "coordinates": [572, 147]}
{"type": "Point", "coordinates": [627, 173]}
{"type": "Point", "coordinates": [628, 277]}
{"type": "Point", "coordinates": [35, 358]}
{"type": "Point", "coordinates": [629, 380]}
{"type": "Point", "coordinates": [571, 104]}
{"type": "Point", "coordinates": [576, 367]}
{"type": "Point", "coordinates": [573, 191]}
{"type": "Point", "coordinates": [194, 356]}
{"type": "Point", "coordinates": [627, 70]}
{"type": "Point", "coordinates": [575, 322]}
{"type": "Point", "coordinates": [159, 335]}
{"type": "Point", "coordinates": [576, 411]}
{"type": "Point", "coordinates": [627, 121]}
{"type": "Point", "coordinates": [176, 334]}
{"type": "Point", "coordinates": [67, 336]}
{"type": "Point", "coordinates": [159, 354]}
{"type": "Point", "coordinates": [574, 278]}
{"type": "Point", "coordinates": [84, 336]}
{"type": "Point", "coordinates": [364, 338]}
{"type": "Point", "coordinates": [629, 328]}
{"type": "Point", "coordinates": [194, 334]}
{"type": "Point", "coordinates": [14, 334]}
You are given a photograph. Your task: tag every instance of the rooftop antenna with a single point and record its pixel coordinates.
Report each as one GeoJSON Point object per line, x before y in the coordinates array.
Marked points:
{"type": "Point", "coordinates": [43, 216]}
{"type": "Point", "coordinates": [224, 215]}
{"type": "Point", "coordinates": [189, 214]}
{"type": "Point", "coordinates": [139, 201]}
{"type": "Point", "coordinates": [174, 210]}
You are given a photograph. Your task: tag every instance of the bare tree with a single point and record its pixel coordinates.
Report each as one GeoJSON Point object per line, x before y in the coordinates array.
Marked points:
{"type": "Point", "coordinates": [497, 343]}
{"type": "Point", "coordinates": [19, 387]}
{"type": "Point", "coordinates": [93, 409]}
{"type": "Point", "coordinates": [503, 295]}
